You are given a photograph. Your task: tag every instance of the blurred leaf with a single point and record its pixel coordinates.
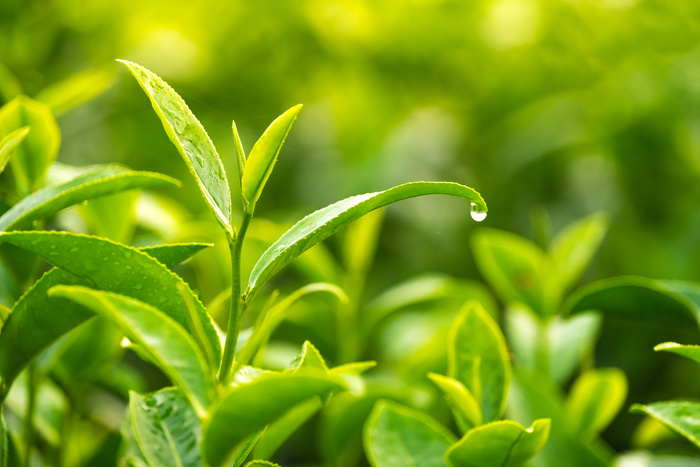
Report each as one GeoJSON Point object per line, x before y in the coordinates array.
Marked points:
{"type": "Point", "coordinates": [263, 156]}
{"type": "Point", "coordinates": [517, 269]}
{"type": "Point", "coordinates": [647, 459]}
{"type": "Point", "coordinates": [640, 299]}
{"type": "Point", "coordinates": [395, 435]}
{"type": "Point", "coordinates": [4, 442]}
{"type": "Point", "coordinates": [309, 359]}
{"type": "Point", "coordinates": [191, 141]}
{"type": "Point", "coordinates": [112, 216]}
{"type": "Point", "coordinates": [360, 244]}
{"type": "Point", "coordinates": [323, 223]}
{"type": "Point", "coordinates": [281, 429]}
{"type": "Point", "coordinates": [499, 444]}
{"type": "Point", "coordinates": [158, 336]}
{"type": "Point", "coordinates": [464, 407]}
{"type": "Point", "coordinates": [9, 86]}
{"type": "Point", "coordinates": [75, 90]}
{"type": "Point", "coordinates": [130, 453]}
{"type": "Point", "coordinates": [166, 427]}
{"type": "Point", "coordinates": [246, 408]}
{"type": "Point", "coordinates": [116, 268]}
{"type": "Point", "coordinates": [477, 357]}
{"type": "Point", "coordinates": [9, 143]}
{"type": "Point", "coordinates": [97, 181]}
{"type": "Point", "coordinates": [689, 351]}
{"type": "Point", "coordinates": [683, 417]}
{"type": "Point", "coordinates": [594, 399]}
{"type": "Point", "coordinates": [38, 150]}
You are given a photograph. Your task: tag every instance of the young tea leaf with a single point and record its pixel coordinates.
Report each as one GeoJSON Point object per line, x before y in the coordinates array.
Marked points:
{"type": "Point", "coordinates": [97, 181]}
{"type": "Point", "coordinates": [594, 400]}
{"type": "Point", "coordinates": [9, 143]}
{"type": "Point", "coordinates": [172, 254]}
{"type": "Point", "coordinates": [499, 444]}
{"type": "Point", "coordinates": [263, 156]}
{"type": "Point", "coordinates": [396, 436]}
{"type": "Point", "coordinates": [683, 417]}
{"type": "Point", "coordinates": [240, 153]}
{"type": "Point", "coordinates": [323, 223]}
{"type": "Point", "coordinates": [465, 408]}
{"type": "Point", "coordinates": [191, 141]}
{"type": "Point", "coordinates": [689, 351]}
{"type": "Point", "coordinates": [164, 341]}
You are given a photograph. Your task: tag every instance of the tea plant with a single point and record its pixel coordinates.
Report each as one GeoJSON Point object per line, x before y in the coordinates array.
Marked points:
{"type": "Point", "coordinates": [220, 408]}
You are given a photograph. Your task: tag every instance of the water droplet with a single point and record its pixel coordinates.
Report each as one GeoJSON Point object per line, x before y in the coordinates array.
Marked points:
{"type": "Point", "coordinates": [478, 213]}
{"type": "Point", "coordinates": [74, 249]}
{"type": "Point", "coordinates": [53, 253]}
{"type": "Point", "coordinates": [138, 286]}
{"type": "Point", "coordinates": [128, 267]}
{"type": "Point", "coordinates": [200, 160]}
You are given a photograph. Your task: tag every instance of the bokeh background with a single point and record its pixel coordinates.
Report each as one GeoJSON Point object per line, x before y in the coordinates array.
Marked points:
{"type": "Point", "coordinates": [551, 109]}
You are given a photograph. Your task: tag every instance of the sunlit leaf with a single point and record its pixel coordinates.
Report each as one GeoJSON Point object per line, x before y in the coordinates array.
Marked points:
{"type": "Point", "coordinates": [97, 181]}
{"type": "Point", "coordinates": [395, 435]}
{"type": "Point", "coordinates": [689, 351]}
{"type": "Point", "coordinates": [191, 141]}
{"type": "Point", "coordinates": [162, 339]}
{"type": "Point", "coordinates": [594, 399]}
{"type": "Point", "coordinates": [263, 156]}
{"type": "Point", "coordinates": [240, 153]}
{"type": "Point", "coordinates": [499, 444]}
{"type": "Point", "coordinates": [75, 90]}
{"type": "Point", "coordinates": [465, 408]}
{"type": "Point", "coordinates": [683, 417]}
{"type": "Point", "coordinates": [323, 223]}
{"type": "Point", "coordinates": [9, 143]}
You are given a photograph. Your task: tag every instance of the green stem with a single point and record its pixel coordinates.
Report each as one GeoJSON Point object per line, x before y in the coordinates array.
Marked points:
{"type": "Point", "coordinates": [28, 433]}
{"type": "Point", "coordinates": [237, 305]}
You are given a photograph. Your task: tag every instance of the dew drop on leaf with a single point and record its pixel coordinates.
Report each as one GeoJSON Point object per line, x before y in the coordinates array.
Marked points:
{"type": "Point", "coordinates": [477, 212]}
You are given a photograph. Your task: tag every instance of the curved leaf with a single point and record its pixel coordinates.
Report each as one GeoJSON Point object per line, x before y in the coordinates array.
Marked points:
{"type": "Point", "coordinates": [9, 143]}
{"type": "Point", "coordinates": [499, 444]}
{"type": "Point", "coordinates": [594, 400]}
{"type": "Point", "coordinates": [166, 428]}
{"type": "Point", "coordinates": [683, 417]}
{"type": "Point", "coordinates": [465, 408]}
{"type": "Point", "coordinates": [158, 336]}
{"type": "Point", "coordinates": [249, 407]}
{"type": "Point", "coordinates": [395, 435]}
{"type": "Point", "coordinates": [689, 351]}
{"type": "Point", "coordinates": [263, 156]}
{"type": "Point", "coordinates": [97, 181]}
{"type": "Point", "coordinates": [191, 141]}
{"type": "Point", "coordinates": [478, 358]}
{"type": "Point", "coordinates": [323, 223]}
{"type": "Point", "coordinates": [172, 254]}
{"type": "Point", "coordinates": [117, 268]}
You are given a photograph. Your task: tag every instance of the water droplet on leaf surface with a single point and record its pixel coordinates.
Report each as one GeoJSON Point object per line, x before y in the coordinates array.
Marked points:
{"type": "Point", "coordinates": [478, 213]}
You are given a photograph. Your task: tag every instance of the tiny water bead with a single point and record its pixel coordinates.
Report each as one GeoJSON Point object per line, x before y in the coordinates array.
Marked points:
{"type": "Point", "coordinates": [477, 212]}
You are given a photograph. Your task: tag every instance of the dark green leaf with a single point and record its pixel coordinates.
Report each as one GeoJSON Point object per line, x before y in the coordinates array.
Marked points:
{"type": "Point", "coordinates": [9, 143]}
{"type": "Point", "coordinates": [594, 400]}
{"type": "Point", "coordinates": [478, 358]}
{"type": "Point", "coordinates": [94, 182]}
{"type": "Point", "coordinates": [323, 223]}
{"type": "Point", "coordinates": [682, 417]}
{"type": "Point", "coordinates": [167, 429]}
{"type": "Point", "coordinates": [281, 429]}
{"type": "Point", "coordinates": [258, 462]}
{"type": "Point", "coordinates": [396, 436]}
{"type": "Point", "coordinates": [499, 444]}
{"type": "Point", "coordinates": [263, 156]}
{"type": "Point", "coordinates": [191, 141]}
{"type": "Point", "coordinates": [159, 337]}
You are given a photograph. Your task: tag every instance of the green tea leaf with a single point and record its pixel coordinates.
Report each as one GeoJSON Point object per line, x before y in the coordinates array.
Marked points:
{"type": "Point", "coordinates": [574, 247]}
{"type": "Point", "coordinates": [263, 156]}
{"type": "Point", "coordinates": [4, 442]}
{"type": "Point", "coordinates": [240, 153]}
{"type": "Point", "coordinates": [323, 223]}
{"type": "Point", "coordinates": [594, 400]}
{"type": "Point", "coordinates": [249, 407]}
{"type": "Point", "coordinates": [499, 444]}
{"type": "Point", "coordinates": [464, 406]}
{"type": "Point", "coordinates": [166, 427]}
{"type": "Point", "coordinates": [689, 351]}
{"type": "Point", "coordinates": [191, 141]}
{"type": "Point", "coordinates": [75, 90]}
{"type": "Point", "coordinates": [395, 435]}
{"type": "Point", "coordinates": [281, 429]}
{"type": "Point", "coordinates": [96, 181]}
{"type": "Point", "coordinates": [111, 216]}
{"type": "Point", "coordinates": [9, 143]}
{"type": "Point", "coordinates": [172, 254]}
{"type": "Point", "coordinates": [164, 341]}
{"type": "Point", "coordinates": [683, 417]}
{"type": "Point", "coordinates": [640, 299]}
{"type": "Point", "coordinates": [517, 269]}
{"type": "Point", "coordinates": [259, 462]}
{"type": "Point", "coordinates": [478, 358]}
{"type": "Point", "coordinates": [38, 150]}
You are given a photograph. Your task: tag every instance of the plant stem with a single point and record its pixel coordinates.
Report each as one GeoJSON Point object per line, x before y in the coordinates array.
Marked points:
{"type": "Point", "coordinates": [237, 305]}
{"type": "Point", "coordinates": [28, 433]}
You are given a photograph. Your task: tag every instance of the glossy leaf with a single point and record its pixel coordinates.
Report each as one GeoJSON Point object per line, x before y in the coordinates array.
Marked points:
{"type": "Point", "coordinates": [240, 153]}
{"type": "Point", "coordinates": [640, 299]}
{"type": "Point", "coordinates": [323, 223]}
{"type": "Point", "coordinates": [395, 435]}
{"type": "Point", "coordinates": [116, 268]}
{"type": "Point", "coordinates": [464, 406]}
{"type": "Point", "coordinates": [517, 269]}
{"type": "Point", "coordinates": [281, 429]}
{"type": "Point", "coordinates": [478, 358]}
{"type": "Point", "coordinates": [689, 351]}
{"type": "Point", "coordinates": [97, 181]}
{"type": "Point", "coordinates": [683, 417]}
{"type": "Point", "coordinates": [9, 143]}
{"type": "Point", "coordinates": [263, 156]}
{"type": "Point", "coordinates": [499, 444]}
{"type": "Point", "coordinates": [594, 400]}
{"type": "Point", "coordinates": [159, 337]}
{"type": "Point", "coordinates": [249, 407]}
{"type": "Point", "coordinates": [38, 150]}
{"type": "Point", "coordinates": [166, 427]}
{"type": "Point", "coordinates": [191, 141]}
{"type": "Point", "coordinates": [574, 247]}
